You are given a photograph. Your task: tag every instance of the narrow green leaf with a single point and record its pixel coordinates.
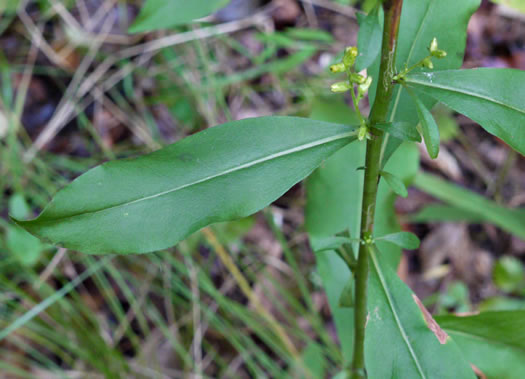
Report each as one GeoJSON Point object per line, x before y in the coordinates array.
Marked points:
{"type": "Point", "coordinates": [405, 165]}
{"type": "Point", "coordinates": [310, 34]}
{"type": "Point", "coordinates": [491, 97]}
{"type": "Point", "coordinates": [428, 127]}
{"type": "Point", "coordinates": [332, 243]}
{"type": "Point", "coordinates": [163, 14]}
{"type": "Point", "coordinates": [421, 21]}
{"type": "Point", "coordinates": [501, 303]}
{"type": "Point", "coordinates": [25, 248]}
{"type": "Point", "coordinates": [442, 213]}
{"type": "Point", "coordinates": [405, 131]}
{"type": "Point", "coordinates": [402, 339]}
{"type": "Point", "coordinates": [406, 240]}
{"type": "Point", "coordinates": [508, 274]}
{"type": "Point", "coordinates": [368, 38]}
{"type": "Point", "coordinates": [494, 342]}
{"type": "Point", "coordinates": [347, 296]}
{"type": "Point", "coordinates": [313, 360]}
{"type": "Point", "coordinates": [18, 206]}
{"type": "Point", "coordinates": [223, 173]}
{"type": "Point", "coordinates": [510, 220]}
{"type": "Point", "coordinates": [395, 184]}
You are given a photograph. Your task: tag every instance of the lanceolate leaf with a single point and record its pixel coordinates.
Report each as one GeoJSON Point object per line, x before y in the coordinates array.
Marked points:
{"type": "Point", "coordinates": [404, 131]}
{"type": "Point", "coordinates": [429, 128]}
{"type": "Point", "coordinates": [494, 342]}
{"type": "Point", "coordinates": [405, 165]}
{"type": "Point", "coordinates": [152, 202]}
{"type": "Point", "coordinates": [491, 97]}
{"type": "Point", "coordinates": [473, 205]}
{"type": "Point", "coordinates": [395, 184]}
{"type": "Point", "coordinates": [402, 339]}
{"type": "Point", "coordinates": [421, 21]}
{"type": "Point", "coordinates": [406, 240]}
{"type": "Point", "coordinates": [162, 14]}
{"type": "Point", "coordinates": [347, 296]}
{"type": "Point", "coordinates": [369, 38]}
{"type": "Point", "coordinates": [332, 243]}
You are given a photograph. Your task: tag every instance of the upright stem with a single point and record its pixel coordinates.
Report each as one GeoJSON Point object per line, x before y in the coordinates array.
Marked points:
{"type": "Point", "coordinates": [378, 114]}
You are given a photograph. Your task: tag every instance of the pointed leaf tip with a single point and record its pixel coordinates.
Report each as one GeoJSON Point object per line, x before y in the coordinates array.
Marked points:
{"type": "Point", "coordinates": [493, 97]}
{"type": "Point", "coordinates": [406, 240]}
{"type": "Point", "coordinates": [428, 127]}
{"type": "Point", "coordinates": [395, 184]}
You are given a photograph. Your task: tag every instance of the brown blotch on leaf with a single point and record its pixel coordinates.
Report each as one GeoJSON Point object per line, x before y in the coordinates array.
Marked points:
{"type": "Point", "coordinates": [478, 372]}
{"type": "Point", "coordinates": [431, 323]}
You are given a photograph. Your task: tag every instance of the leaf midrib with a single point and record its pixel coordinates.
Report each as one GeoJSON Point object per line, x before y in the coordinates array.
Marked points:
{"type": "Point", "coordinates": [246, 165]}
{"type": "Point", "coordinates": [464, 92]}
{"type": "Point", "coordinates": [396, 317]}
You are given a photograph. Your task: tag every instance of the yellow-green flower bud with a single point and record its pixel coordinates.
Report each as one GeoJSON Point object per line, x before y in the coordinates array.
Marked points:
{"type": "Point", "coordinates": [433, 45]}
{"type": "Point", "coordinates": [357, 78]}
{"type": "Point", "coordinates": [427, 62]}
{"type": "Point", "coordinates": [338, 67]}
{"type": "Point", "coordinates": [341, 87]}
{"type": "Point", "coordinates": [439, 54]}
{"type": "Point", "coordinates": [350, 56]}
{"type": "Point", "coordinates": [362, 88]}
{"type": "Point", "coordinates": [362, 132]}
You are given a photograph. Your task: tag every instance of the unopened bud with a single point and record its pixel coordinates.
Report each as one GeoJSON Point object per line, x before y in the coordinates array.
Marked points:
{"type": "Point", "coordinates": [357, 78]}
{"type": "Point", "coordinates": [350, 56]}
{"type": "Point", "coordinates": [427, 62]}
{"type": "Point", "coordinates": [338, 67]}
{"type": "Point", "coordinates": [362, 88]}
{"type": "Point", "coordinates": [362, 132]}
{"type": "Point", "coordinates": [439, 54]}
{"type": "Point", "coordinates": [433, 45]}
{"type": "Point", "coordinates": [340, 87]}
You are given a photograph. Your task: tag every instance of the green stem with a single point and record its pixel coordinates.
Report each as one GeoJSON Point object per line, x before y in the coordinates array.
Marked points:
{"type": "Point", "coordinates": [378, 114]}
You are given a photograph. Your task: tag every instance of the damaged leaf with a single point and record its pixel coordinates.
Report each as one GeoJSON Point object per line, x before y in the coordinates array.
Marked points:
{"type": "Point", "coordinates": [400, 341]}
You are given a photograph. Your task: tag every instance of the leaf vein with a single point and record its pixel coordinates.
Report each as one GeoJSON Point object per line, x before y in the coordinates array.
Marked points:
{"type": "Point", "coordinates": [231, 170]}
{"type": "Point", "coordinates": [465, 92]}
{"type": "Point", "coordinates": [396, 317]}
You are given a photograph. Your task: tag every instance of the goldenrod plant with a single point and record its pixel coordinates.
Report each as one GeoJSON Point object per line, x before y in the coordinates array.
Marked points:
{"type": "Point", "coordinates": [408, 59]}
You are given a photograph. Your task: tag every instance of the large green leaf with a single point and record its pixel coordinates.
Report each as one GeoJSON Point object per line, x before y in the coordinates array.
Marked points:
{"type": "Point", "coordinates": [152, 202]}
{"type": "Point", "coordinates": [334, 193]}
{"type": "Point", "coordinates": [405, 165]}
{"type": "Point", "coordinates": [491, 97]}
{"type": "Point", "coordinates": [494, 342]}
{"type": "Point", "coordinates": [369, 38]}
{"type": "Point", "coordinates": [475, 207]}
{"type": "Point", "coordinates": [402, 340]}
{"type": "Point", "coordinates": [421, 21]}
{"type": "Point", "coordinates": [162, 14]}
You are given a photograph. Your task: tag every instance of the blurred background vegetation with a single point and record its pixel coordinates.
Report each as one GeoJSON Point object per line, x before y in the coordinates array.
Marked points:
{"type": "Point", "coordinates": [77, 89]}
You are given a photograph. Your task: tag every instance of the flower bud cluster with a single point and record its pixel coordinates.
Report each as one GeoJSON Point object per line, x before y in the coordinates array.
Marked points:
{"type": "Point", "coordinates": [435, 51]}
{"type": "Point", "coordinates": [346, 65]}
{"type": "Point", "coordinates": [362, 82]}
{"type": "Point", "coordinates": [426, 62]}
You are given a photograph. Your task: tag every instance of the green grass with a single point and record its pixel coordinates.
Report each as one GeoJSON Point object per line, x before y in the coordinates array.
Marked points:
{"type": "Point", "coordinates": [133, 316]}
